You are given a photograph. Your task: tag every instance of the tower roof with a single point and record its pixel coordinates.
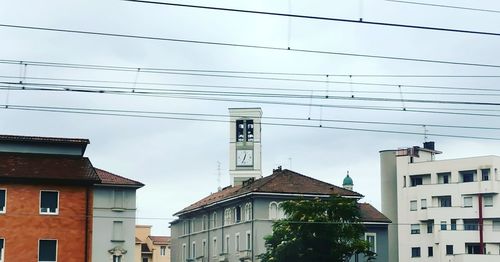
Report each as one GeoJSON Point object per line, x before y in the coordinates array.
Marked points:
{"type": "Point", "coordinates": [347, 181]}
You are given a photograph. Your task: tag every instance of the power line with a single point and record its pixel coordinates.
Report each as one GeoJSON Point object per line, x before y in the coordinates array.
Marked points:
{"type": "Point", "coordinates": [128, 113]}
{"type": "Point", "coordinates": [445, 6]}
{"type": "Point", "coordinates": [261, 47]}
{"type": "Point", "coordinates": [360, 21]}
{"type": "Point", "coordinates": [104, 89]}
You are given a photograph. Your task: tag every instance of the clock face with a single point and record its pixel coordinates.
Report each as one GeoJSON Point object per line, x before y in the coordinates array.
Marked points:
{"type": "Point", "coordinates": [244, 158]}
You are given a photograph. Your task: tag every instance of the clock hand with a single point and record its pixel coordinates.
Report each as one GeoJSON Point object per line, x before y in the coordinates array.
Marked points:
{"type": "Point", "coordinates": [244, 156]}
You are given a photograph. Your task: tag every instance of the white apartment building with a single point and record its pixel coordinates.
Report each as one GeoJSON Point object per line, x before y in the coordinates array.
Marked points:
{"type": "Point", "coordinates": [442, 210]}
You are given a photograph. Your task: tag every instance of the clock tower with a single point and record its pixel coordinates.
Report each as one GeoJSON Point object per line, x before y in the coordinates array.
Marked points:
{"type": "Point", "coordinates": [244, 144]}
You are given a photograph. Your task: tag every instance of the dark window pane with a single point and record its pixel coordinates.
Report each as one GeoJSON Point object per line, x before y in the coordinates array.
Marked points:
{"type": "Point", "coordinates": [1, 248]}
{"type": "Point", "coordinates": [485, 174]}
{"type": "Point", "coordinates": [415, 252]}
{"type": "Point", "coordinates": [430, 250]}
{"type": "Point", "coordinates": [240, 131]}
{"type": "Point", "coordinates": [47, 250]}
{"type": "Point", "coordinates": [48, 201]}
{"type": "Point", "coordinates": [471, 224]}
{"type": "Point", "coordinates": [249, 126]}
{"type": "Point", "coordinates": [449, 249]}
{"type": "Point", "coordinates": [2, 199]}
{"type": "Point", "coordinates": [445, 201]}
{"type": "Point", "coordinates": [453, 224]}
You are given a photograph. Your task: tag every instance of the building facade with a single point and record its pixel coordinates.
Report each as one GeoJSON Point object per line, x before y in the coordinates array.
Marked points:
{"type": "Point", "coordinates": [114, 218]}
{"type": "Point", "coordinates": [446, 210]}
{"type": "Point", "coordinates": [151, 248]}
{"type": "Point", "coordinates": [45, 199]}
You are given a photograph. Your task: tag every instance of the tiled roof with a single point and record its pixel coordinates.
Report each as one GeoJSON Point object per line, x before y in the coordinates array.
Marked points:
{"type": "Point", "coordinates": [34, 167]}
{"type": "Point", "coordinates": [108, 178]}
{"type": "Point", "coordinates": [281, 181]}
{"type": "Point", "coordinates": [371, 214]}
{"type": "Point", "coordinates": [160, 240]}
{"type": "Point", "coordinates": [43, 139]}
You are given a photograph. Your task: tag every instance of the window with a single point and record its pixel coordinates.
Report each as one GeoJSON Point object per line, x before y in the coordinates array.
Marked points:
{"type": "Point", "coordinates": [430, 251]}
{"type": "Point", "coordinates": [443, 225]}
{"type": "Point", "coordinates": [117, 231]}
{"type": "Point", "coordinates": [145, 259]}
{"type": "Point", "coordinates": [416, 180]}
{"type": "Point", "coordinates": [371, 238]}
{"type": "Point", "coordinates": [496, 225]}
{"type": "Point", "coordinates": [215, 246]}
{"type": "Point", "coordinates": [193, 250]}
{"type": "Point", "coordinates": [3, 198]}
{"type": "Point", "coordinates": [117, 258]}
{"type": "Point", "coordinates": [118, 198]}
{"type": "Point", "coordinates": [430, 226]}
{"type": "Point", "coordinates": [471, 224]}
{"type": "Point", "coordinates": [273, 210]}
{"type": "Point", "coordinates": [415, 228]}
{"type": "Point", "coordinates": [2, 241]}
{"type": "Point", "coordinates": [413, 205]}
{"type": "Point", "coordinates": [227, 216]}
{"type": "Point", "coordinates": [444, 201]}
{"type": "Point", "coordinates": [49, 202]}
{"type": "Point", "coordinates": [214, 220]}
{"type": "Point", "coordinates": [473, 248]}
{"type": "Point", "coordinates": [244, 130]}
{"type": "Point", "coordinates": [468, 201]}
{"type": "Point", "coordinates": [449, 249]}
{"type": "Point", "coordinates": [184, 253]}
{"type": "Point", "coordinates": [467, 176]}
{"type": "Point", "coordinates": [248, 211]}
{"type": "Point", "coordinates": [248, 244]}
{"type": "Point", "coordinates": [415, 252]}
{"type": "Point", "coordinates": [226, 246]}
{"type": "Point", "coordinates": [204, 248]}
{"type": "Point", "coordinates": [185, 227]}
{"type": "Point", "coordinates": [485, 174]}
{"type": "Point", "coordinates": [163, 251]}
{"type": "Point", "coordinates": [204, 222]}
{"type": "Point", "coordinates": [488, 201]}
{"type": "Point", "coordinates": [453, 224]}
{"type": "Point", "coordinates": [237, 214]}
{"type": "Point", "coordinates": [47, 250]}
{"type": "Point", "coordinates": [423, 203]}
{"type": "Point", "coordinates": [237, 242]}
{"type": "Point", "coordinates": [444, 178]}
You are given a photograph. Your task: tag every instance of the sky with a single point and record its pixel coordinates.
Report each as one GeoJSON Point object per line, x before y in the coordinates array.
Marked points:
{"type": "Point", "coordinates": [183, 160]}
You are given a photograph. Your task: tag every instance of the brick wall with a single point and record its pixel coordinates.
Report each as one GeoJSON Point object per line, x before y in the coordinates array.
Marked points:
{"type": "Point", "coordinates": [22, 225]}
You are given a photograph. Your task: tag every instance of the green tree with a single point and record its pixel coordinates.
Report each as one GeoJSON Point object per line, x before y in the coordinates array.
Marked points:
{"type": "Point", "coordinates": [317, 230]}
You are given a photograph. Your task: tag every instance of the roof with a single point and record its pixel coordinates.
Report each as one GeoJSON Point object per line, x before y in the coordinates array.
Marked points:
{"type": "Point", "coordinates": [371, 214]}
{"type": "Point", "coordinates": [138, 241]}
{"type": "Point", "coordinates": [39, 139]}
{"type": "Point", "coordinates": [108, 178]}
{"type": "Point", "coordinates": [347, 181]}
{"type": "Point", "coordinates": [38, 167]}
{"type": "Point", "coordinates": [280, 182]}
{"type": "Point", "coordinates": [160, 240]}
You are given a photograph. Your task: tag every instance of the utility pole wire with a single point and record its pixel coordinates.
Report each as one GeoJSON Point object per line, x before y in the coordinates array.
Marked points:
{"type": "Point", "coordinates": [261, 47]}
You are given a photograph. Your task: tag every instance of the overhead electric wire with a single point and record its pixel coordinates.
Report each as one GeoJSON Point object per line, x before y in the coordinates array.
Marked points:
{"type": "Point", "coordinates": [238, 87]}
{"type": "Point", "coordinates": [142, 115]}
{"type": "Point", "coordinates": [262, 47]}
{"type": "Point", "coordinates": [332, 19]}
{"type": "Point", "coordinates": [134, 69]}
{"type": "Point", "coordinates": [445, 6]}
{"type": "Point", "coordinates": [114, 89]}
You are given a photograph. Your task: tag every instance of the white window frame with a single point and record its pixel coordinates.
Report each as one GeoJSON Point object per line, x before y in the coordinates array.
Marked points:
{"type": "Point", "coordinates": [415, 229]}
{"type": "Point", "coordinates": [163, 251]}
{"type": "Point", "coordinates": [226, 244]}
{"type": "Point", "coordinates": [38, 254]}
{"type": "Point", "coordinates": [488, 203]}
{"type": "Point", "coordinates": [214, 219]}
{"type": "Point", "coordinates": [374, 235]}
{"type": "Point", "coordinates": [40, 203]}
{"type": "Point", "coordinates": [193, 250]}
{"type": "Point", "coordinates": [2, 251]}
{"type": "Point", "coordinates": [204, 247]}
{"type": "Point", "coordinates": [215, 249]}
{"type": "Point", "coordinates": [248, 240]}
{"type": "Point", "coordinates": [4, 210]}
{"type": "Point", "coordinates": [413, 205]}
{"type": "Point", "coordinates": [237, 242]}
{"type": "Point", "coordinates": [466, 202]}
{"type": "Point", "coordinates": [273, 215]}
{"type": "Point", "coordinates": [227, 216]}
{"type": "Point", "coordinates": [204, 222]}
{"type": "Point", "coordinates": [423, 203]}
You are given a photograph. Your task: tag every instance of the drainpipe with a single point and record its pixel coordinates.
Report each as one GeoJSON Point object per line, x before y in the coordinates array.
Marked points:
{"type": "Point", "coordinates": [481, 240]}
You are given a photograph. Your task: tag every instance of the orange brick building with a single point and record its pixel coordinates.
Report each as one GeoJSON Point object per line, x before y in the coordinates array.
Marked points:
{"type": "Point", "coordinates": [45, 199]}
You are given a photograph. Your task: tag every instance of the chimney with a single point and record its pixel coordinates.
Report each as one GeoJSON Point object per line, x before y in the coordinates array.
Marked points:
{"type": "Point", "coordinates": [429, 145]}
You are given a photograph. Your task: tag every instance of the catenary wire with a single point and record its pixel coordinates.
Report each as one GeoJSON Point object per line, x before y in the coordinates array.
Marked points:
{"type": "Point", "coordinates": [261, 47]}
{"type": "Point", "coordinates": [445, 6]}
{"type": "Point", "coordinates": [332, 19]}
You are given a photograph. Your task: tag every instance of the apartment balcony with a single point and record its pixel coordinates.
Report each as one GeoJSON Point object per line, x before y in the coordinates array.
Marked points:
{"type": "Point", "coordinates": [224, 257]}
{"type": "Point", "coordinates": [476, 258]}
{"type": "Point", "coordinates": [245, 255]}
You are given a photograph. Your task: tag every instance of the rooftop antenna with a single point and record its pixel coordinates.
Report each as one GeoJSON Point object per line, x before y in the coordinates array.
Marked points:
{"type": "Point", "coordinates": [218, 176]}
{"type": "Point", "coordinates": [425, 133]}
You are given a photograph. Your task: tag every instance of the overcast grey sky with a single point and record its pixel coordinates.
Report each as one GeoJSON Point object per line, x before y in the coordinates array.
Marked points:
{"type": "Point", "coordinates": [177, 159]}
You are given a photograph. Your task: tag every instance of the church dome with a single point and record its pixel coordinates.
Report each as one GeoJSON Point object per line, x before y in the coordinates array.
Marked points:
{"type": "Point", "coordinates": [347, 181]}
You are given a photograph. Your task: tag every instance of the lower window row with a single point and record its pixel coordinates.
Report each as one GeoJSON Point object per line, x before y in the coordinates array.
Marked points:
{"type": "Point", "coordinates": [415, 251]}
{"type": "Point", "coordinates": [47, 250]}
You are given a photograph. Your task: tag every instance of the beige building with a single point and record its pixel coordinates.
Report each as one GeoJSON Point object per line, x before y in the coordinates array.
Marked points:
{"type": "Point", "coordinates": [150, 248]}
{"type": "Point", "coordinates": [445, 210]}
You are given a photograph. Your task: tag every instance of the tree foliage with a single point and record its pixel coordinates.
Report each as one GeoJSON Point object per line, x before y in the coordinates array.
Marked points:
{"type": "Point", "coordinates": [317, 230]}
